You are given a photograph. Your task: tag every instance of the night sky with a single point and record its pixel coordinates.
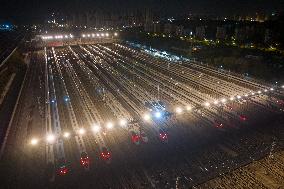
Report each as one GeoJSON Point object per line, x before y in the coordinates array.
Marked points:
{"type": "Point", "coordinates": [30, 10]}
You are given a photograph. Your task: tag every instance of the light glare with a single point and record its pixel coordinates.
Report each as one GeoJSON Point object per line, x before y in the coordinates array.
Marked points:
{"type": "Point", "coordinates": [81, 131]}
{"type": "Point", "coordinates": [158, 114]}
{"type": "Point", "coordinates": [147, 117]}
{"type": "Point", "coordinates": [50, 138]}
{"type": "Point", "coordinates": [66, 135]}
{"type": "Point", "coordinates": [188, 108]}
{"type": "Point", "coordinates": [109, 125]}
{"type": "Point", "coordinates": [179, 110]}
{"type": "Point", "coordinates": [96, 128]}
{"type": "Point", "coordinates": [123, 122]}
{"type": "Point", "coordinates": [34, 141]}
{"type": "Point", "coordinates": [224, 100]}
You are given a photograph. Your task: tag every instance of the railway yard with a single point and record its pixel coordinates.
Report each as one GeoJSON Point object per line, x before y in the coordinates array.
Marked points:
{"type": "Point", "coordinates": [265, 173]}
{"type": "Point", "coordinates": [116, 116]}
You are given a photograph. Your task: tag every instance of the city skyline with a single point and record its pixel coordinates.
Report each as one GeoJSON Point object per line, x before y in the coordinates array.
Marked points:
{"type": "Point", "coordinates": [20, 11]}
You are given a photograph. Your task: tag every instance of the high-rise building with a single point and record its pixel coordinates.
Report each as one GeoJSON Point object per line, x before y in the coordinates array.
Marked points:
{"type": "Point", "coordinates": [179, 30]}
{"type": "Point", "coordinates": [157, 27]}
{"type": "Point", "coordinates": [168, 28]}
{"type": "Point", "coordinates": [221, 32]}
{"type": "Point", "coordinates": [200, 32]}
{"type": "Point", "coordinates": [267, 36]}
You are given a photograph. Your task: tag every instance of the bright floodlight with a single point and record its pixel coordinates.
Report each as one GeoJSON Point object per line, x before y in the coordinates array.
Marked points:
{"type": "Point", "coordinates": [122, 122]}
{"type": "Point", "coordinates": [107, 34]}
{"type": "Point", "coordinates": [102, 34]}
{"type": "Point", "coordinates": [239, 97]}
{"type": "Point", "coordinates": [96, 128]}
{"type": "Point", "coordinates": [232, 98]}
{"type": "Point", "coordinates": [282, 86]}
{"type": "Point", "coordinates": [258, 92]}
{"type": "Point", "coordinates": [271, 89]}
{"type": "Point", "coordinates": [109, 125]}
{"type": "Point", "coordinates": [178, 110]}
{"type": "Point", "coordinates": [83, 35]}
{"type": "Point", "coordinates": [115, 34]}
{"type": "Point", "coordinates": [158, 114]}
{"type": "Point", "coordinates": [146, 117]}
{"type": "Point", "coordinates": [252, 93]}
{"type": "Point", "coordinates": [224, 100]}
{"type": "Point", "coordinates": [50, 138]}
{"type": "Point", "coordinates": [89, 35]}
{"type": "Point", "coordinates": [215, 102]}
{"type": "Point", "coordinates": [188, 108]}
{"type": "Point", "coordinates": [98, 35]}
{"type": "Point", "coordinates": [81, 131]}
{"type": "Point", "coordinates": [265, 90]}
{"type": "Point", "coordinates": [34, 141]}
{"type": "Point", "coordinates": [66, 135]}
{"type": "Point", "coordinates": [207, 104]}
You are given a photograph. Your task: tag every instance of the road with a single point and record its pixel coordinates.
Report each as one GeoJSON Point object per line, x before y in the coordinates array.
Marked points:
{"type": "Point", "coordinates": [115, 116]}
